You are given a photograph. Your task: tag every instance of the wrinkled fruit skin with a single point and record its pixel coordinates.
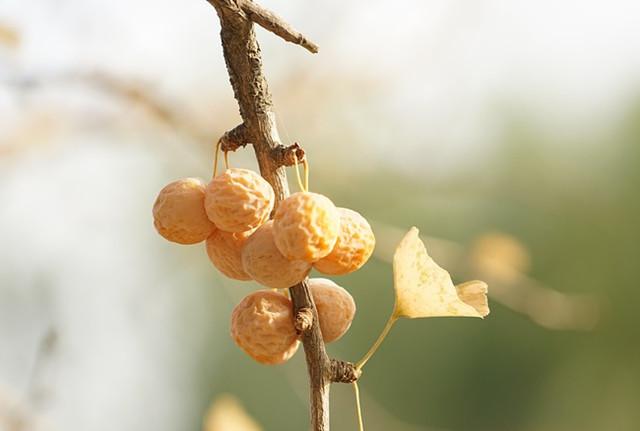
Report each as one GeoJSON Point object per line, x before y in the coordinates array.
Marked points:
{"type": "Point", "coordinates": [263, 262]}
{"type": "Point", "coordinates": [336, 308]}
{"type": "Point", "coordinates": [238, 200]}
{"type": "Point", "coordinates": [306, 226]}
{"type": "Point", "coordinates": [178, 212]}
{"type": "Point", "coordinates": [225, 253]}
{"type": "Point", "coordinates": [262, 325]}
{"type": "Point", "coordinates": [353, 248]}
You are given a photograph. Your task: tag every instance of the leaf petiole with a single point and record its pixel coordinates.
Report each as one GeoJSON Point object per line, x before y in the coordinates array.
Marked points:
{"type": "Point", "coordinates": [392, 319]}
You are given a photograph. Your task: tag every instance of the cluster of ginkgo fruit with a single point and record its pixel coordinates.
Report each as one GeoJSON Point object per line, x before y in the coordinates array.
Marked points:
{"type": "Point", "coordinates": [233, 214]}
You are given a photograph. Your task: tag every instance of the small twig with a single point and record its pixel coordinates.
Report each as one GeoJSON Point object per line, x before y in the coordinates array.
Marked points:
{"type": "Point", "coordinates": [253, 12]}
{"type": "Point", "coordinates": [234, 139]}
{"type": "Point", "coordinates": [276, 25]}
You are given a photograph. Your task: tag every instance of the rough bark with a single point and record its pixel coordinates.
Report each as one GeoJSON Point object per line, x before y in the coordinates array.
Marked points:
{"type": "Point", "coordinates": [244, 65]}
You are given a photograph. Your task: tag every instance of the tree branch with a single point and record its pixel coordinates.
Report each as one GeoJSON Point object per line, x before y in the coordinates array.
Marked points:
{"type": "Point", "coordinates": [244, 64]}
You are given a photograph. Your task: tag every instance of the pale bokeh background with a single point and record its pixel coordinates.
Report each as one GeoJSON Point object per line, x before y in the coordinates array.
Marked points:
{"type": "Point", "coordinates": [459, 117]}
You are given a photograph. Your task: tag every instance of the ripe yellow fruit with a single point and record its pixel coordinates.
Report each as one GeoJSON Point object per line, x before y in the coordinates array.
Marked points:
{"type": "Point", "coordinates": [336, 308]}
{"type": "Point", "coordinates": [238, 200]}
{"type": "Point", "coordinates": [263, 262]}
{"type": "Point", "coordinates": [306, 226]}
{"type": "Point", "coordinates": [178, 212]}
{"type": "Point", "coordinates": [225, 252]}
{"type": "Point", "coordinates": [262, 325]}
{"type": "Point", "coordinates": [353, 248]}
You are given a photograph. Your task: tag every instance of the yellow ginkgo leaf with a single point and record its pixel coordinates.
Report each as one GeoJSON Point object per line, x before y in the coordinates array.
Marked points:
{"type": "Point", "coordinates": [423, 289]}
{"type": "Point", "coordinates": [227, 414]}
{"type": "Point", "coordinates": [474, 293]}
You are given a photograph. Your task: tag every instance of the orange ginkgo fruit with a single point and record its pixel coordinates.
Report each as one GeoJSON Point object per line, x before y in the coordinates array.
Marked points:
{"type": "Point", "coordinates": [306, 226]}
{"type": "Point", "coordinates": [238, 200]}
{"type": "Point", "coordinates": [178, 212]}
{"type": "Point", "coordinates": [336, 308]}
{"type": "Point", "coordinates": [225, 253]}
{"type": "Point", "coordinates": [353, 248]}
{"type": "Point", "coordinates": [262, 325]}
{"type": "Point", "coordinates": [264, 263]}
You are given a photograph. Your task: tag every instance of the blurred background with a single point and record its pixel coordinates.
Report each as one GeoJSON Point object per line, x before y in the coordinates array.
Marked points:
{"type": "Point", "coordinates": [508, 132]}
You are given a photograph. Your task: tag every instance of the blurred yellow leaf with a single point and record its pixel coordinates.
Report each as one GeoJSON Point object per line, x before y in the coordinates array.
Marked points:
{"type": "Point", "coordinates": [500, 255]}
{"type": "Point", "coordinates": [423, 289]}
{"type": "Point", "coordinates": [227, 414]}
{"type": "Point", "coordinates": [9, 36]}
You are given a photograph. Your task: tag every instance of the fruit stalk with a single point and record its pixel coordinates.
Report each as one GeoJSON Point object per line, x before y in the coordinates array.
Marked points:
{"type": "Point", "coordinates": [244, 65]}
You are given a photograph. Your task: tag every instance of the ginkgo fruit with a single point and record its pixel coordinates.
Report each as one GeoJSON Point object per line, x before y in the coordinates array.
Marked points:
{"type": "Point", "coordinates": [238, 200]}
{"type": "Point", "coordinates": [179, 214]}
{"type": "Point", "coordinates": [353, 247]}
{"type": "Point", "coordinates": [336, 308]}
{"type": "Point", "coordinates": [262, 326]}
{"type": "Point", "coordinates": [264, 263]}
{"type": "Point", "coordinates": [424, 289]}
{"type": "Point", "coordinates": [225, 253]}
{"type": "Point", "coordinates": [306, 226]}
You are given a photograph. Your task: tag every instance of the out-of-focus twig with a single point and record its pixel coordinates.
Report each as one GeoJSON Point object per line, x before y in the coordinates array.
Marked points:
{"type": "Point", "coordinates": [16, 416]}
{"type": "Point", "coordinates": [135, 93]}
{"type": "Point", "coordinates": [140, 95]}
{"type": "Point", "coordinates": [19, 413]}
{"type": "Point", "coordinates": [46, 348]}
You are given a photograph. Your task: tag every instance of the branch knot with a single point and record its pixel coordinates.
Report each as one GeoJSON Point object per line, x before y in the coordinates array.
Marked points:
{"type": "Point", "coordinates": [343, 372]}
{"type": "Point", "coordinates": [303, 320]}
{"type": "Point", "coordinates": [287, 156]}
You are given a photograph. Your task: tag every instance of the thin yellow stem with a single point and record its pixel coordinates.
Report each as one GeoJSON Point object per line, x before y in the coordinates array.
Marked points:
{"type": "Point", "coordinates": [226, 160]}
{"type": "Point", "coordinates": [306, 174]}
{"type": "Point", "coordinates": [376, 345]}
{"type": "Point", "coordinates": [215, 159]}
{"type": "Point", "coordinates": [356, 390]}
{"type": "Point", "coordinates": [295, 157]}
